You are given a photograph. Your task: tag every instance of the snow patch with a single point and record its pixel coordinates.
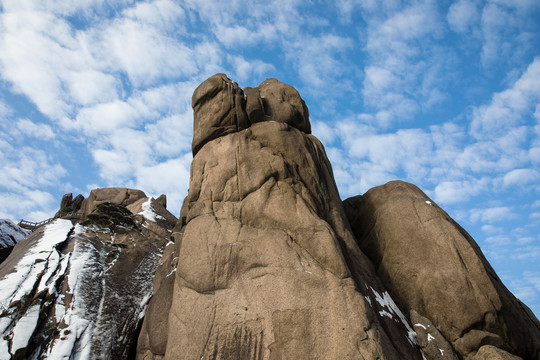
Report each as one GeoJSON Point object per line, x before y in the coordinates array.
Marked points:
{"type": "Point", "coordinates": [428, 202]}
{"type": "Point", "coordinates": [386, 301]}
{"type": "Point", "coordinates": [148, 211]}
{"type": "Point", "coordinates": [25, 327]}
{"type": "Point", "coordinates": [430, 337]}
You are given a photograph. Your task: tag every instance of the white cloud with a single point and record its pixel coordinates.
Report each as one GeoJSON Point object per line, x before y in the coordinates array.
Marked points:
{"type": "Point", "coordinates": [492, 215]}
{"type": "Point", "coordinates": [245, 69]}
{"type": "Point", "coordinates": [106, 117]}
{"type": "Point", "coordinates": [509, 107]}
{"type": "Point", "coordinates": [170, 177]}
{"type": "Point", "coordinates": [35, 130]}
{"type": "Point", "coordinates": [25, 167]}
{"type": "Point", "coordinates": [32, 205]}
{"type": "Point", "coordinates": [163, 14]}
{"type": "Point", "coordinates": [459, 191]}
{"type": "Point", "coordinates": [521, 177]}
{"type": "Point", "coordinates": [463, 15]}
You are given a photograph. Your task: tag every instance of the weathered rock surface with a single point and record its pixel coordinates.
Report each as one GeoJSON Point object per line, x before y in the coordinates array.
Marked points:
{"type": "Point", "coordinates": [265, 265]}
{"type": "Point", "coordinates": [80, 292]}
{"type": "Point", "coordinates": [435, 270]}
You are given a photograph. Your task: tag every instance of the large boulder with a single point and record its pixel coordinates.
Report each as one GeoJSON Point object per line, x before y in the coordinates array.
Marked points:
{"type": "Point", "coordinates": [436, 271]}
{"type": "Point", "coordinates": [219, 108]}
{"type": "Point", "coordinates": [265, 265]}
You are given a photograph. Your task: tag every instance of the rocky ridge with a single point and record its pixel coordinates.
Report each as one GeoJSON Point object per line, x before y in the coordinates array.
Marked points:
{"type": "Point", "coordinates": [80, 291]}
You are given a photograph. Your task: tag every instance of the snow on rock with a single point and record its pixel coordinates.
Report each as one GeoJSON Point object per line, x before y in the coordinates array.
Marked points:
{"type": "Point", "coordinates": [390, 309]}
{"type": "Point", "coordinates": [10, 233]}
{"type": "Point", "coordinates": [29, 269]}
{"type": "Point", "coordinates": [25, 327]}
{"type": "Point", "coordinates": [76, 292]}
{"type": "Point", "coordinates": [31, 274]}
{"type": "Point", "coordinates": [149, 212]}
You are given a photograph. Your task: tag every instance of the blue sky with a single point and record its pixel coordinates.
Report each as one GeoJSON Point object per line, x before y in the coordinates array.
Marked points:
{"type": "Point", "coordinates": [443, 94]}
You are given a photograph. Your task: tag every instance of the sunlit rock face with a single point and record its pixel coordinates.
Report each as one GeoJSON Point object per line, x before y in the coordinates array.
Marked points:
{"type": "Point", "coordinates": [438, 276]}
{"type": "Point", "coordinates": [265, 265]}
{"type": "Point", "coordinates": [80, 291]}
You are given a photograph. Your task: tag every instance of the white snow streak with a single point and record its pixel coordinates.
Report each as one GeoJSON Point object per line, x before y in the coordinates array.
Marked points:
{"type": "Point", "coordinates": [23, 330]}
{"type": "Point", "coordinates": [20, 282]}
{"type": "Point", "coordinates": [149, 212]}
{"type": "Point", "coordinates": [386, 301]}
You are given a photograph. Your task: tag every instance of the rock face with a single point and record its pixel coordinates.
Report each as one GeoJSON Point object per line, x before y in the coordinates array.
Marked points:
{"type": "Point", "coordinates": [439, 277]}
{"type": "Point", "coordinates": [10, 234]}
{"type": "Point", "coordinates": [265, 265]}
{"type": "Point", "coordinates": [80, 292]}
{"type": "Point", "coordinates": [69, 205]}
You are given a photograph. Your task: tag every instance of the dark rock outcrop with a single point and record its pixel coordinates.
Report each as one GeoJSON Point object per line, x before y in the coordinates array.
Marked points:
{"type": "Point", "coordinates": [10, 234]}
{"type": "Point", "coordinates": [81, 291]}
{"type": "Point", "coordinates": [69, 205]}
{"type": "Point", "coordinates": [439, 277]}
{"type": "Point", "coordinates": [265, 265]}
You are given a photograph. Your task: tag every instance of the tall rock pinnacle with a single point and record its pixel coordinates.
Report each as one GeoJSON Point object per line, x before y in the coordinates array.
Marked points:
{"type": "Point", "coordinates": [265, 265]}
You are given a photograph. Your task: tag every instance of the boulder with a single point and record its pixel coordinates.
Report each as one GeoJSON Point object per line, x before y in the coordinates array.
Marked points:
{"type": "Point", "coordinates": [120, 196]}
{"type": "Point", "coordinates": [433, 267]}
{"type": "Point", "coordinates": [219, 109]}
{"type": "Point", "coordinates": [282, 103]}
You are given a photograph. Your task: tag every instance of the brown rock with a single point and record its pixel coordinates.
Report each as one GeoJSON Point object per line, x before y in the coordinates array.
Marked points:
{"type": "Point", "coordinates": [121, 196]}
{"type": "Point", "coordinates": [267, 267]}
{"type": "Point", "coordinates": [430, 339]}
{"type": "Point", "coordinates": [162, 199]}
{"type": "Point", "coordinates": [282, 103]}
{"type": "Point", "coordinates": [219, 109]}
{"type": "Point", "coordinates": [489, 352]}
{"type": "Point", "coordinates": [432, 266]}
{"type": "Point", "coordinates": [86, 288]}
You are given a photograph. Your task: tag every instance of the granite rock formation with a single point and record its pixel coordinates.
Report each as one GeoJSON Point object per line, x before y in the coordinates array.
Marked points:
{"type": "Point", "coordinates": [266, 262]}
{"type": "Point", "coordinates": [438, 276]}
{"type": "Point", "coordinates": [265, 265]}
{"type": "Point", "coordinates": [80, 291]}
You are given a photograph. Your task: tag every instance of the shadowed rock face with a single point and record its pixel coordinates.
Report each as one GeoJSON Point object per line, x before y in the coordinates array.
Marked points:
{"type": "Point", "coordinates": [437, 274]}
{"type": "Point", "coordinates": [265, 265]}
